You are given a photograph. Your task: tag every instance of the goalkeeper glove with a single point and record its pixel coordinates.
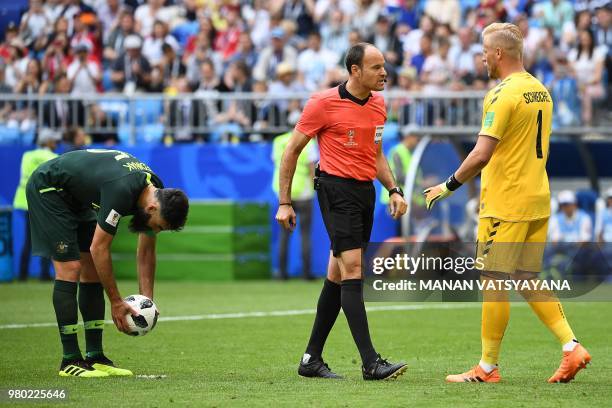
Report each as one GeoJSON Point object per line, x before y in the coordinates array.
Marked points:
{"type": "Point", "coordinates": [446, 190]}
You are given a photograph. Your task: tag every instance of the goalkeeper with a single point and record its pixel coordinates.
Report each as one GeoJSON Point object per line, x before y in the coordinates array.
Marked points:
{"type": "Point", "coordinates": [511, 151]}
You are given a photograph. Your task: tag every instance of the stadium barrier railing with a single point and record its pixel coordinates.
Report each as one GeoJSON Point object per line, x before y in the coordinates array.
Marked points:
{"type": "Point", "coordinates": [215, 116]}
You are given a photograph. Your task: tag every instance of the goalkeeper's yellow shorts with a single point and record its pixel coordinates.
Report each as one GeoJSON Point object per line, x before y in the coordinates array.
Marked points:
{"type": "Point", "coordinates": [505, 246]}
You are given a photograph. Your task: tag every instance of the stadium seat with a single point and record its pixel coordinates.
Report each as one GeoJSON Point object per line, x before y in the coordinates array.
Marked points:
{"type": "Point", "coordinates": [150, 133]}
{"type": "Point", "coordinates": [9, 135]}
{"type": "Point", "coordinates": [115, 109]}
{"type": "Point", "coordinates": [586, 202]}
{"type": "Point", "coordinates": [146, 124]}
{"type": "Point", "coordinates": [220, 132]}
{"type": "Point", "coordinates": [107, 83]}
{"type": "Point", "coordinates": [28, 137]}
{"type": "Point", "coordinates": [147, 111]}
{"type": "Point", "coordinates": [124, 133]}
{"type": "Point", "coordinates": [469, 4]}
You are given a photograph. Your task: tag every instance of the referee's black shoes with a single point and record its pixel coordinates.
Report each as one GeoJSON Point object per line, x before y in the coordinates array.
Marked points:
{"type": "Point", "coordinates": [316, 368]}
{"type": "Point", "coordinates": [381, 369]}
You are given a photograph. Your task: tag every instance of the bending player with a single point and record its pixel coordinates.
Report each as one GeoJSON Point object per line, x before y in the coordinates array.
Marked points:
{"type": "Point", "coordinates": [76, 201]}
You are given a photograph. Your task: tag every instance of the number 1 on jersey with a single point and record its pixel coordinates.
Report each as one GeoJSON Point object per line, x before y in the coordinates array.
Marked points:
{"type": "Point", "coordinates": [539, 137]}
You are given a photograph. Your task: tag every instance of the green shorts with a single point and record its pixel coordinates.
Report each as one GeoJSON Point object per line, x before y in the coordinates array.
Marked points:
{"type": "Point", "coordinates": [58, 232]}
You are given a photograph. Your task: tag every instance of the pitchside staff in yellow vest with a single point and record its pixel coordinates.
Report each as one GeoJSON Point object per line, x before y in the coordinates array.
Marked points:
{"type": "Point", "coordinates": [399, 158]}
{"type": "Point", "coordinates": [511, 151]}
{"type": "Point", "coordinates": [47, 143]}
{"type": "Point", "coordinates": [302, 192]}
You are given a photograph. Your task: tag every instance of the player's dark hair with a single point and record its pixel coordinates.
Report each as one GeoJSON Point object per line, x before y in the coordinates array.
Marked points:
{"type": "Point", "coordinates": [140, 221]}
{"type": "Point", "coordinates": [354, 56]}
{"type": "Point", "coordinates": [174, 207]}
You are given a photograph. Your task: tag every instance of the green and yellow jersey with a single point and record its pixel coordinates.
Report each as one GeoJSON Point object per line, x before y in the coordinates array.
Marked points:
{"type": "Point", "coordinates": [108, 181]}
{"type": "Point", "coordinates": [514, 184]}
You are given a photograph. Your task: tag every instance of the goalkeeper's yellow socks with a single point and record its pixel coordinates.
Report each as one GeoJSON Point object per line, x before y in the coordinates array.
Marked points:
{"type": "Point", "coordinates": [495, 316]}
{"type": "Point", "coordinates": [551, 314]}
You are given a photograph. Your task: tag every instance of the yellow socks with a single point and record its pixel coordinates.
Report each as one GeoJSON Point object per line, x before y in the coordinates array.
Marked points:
{"type": "Point", "coordinates": [495, 316]}
{"type": "Point", "coordinates": [551, 314]}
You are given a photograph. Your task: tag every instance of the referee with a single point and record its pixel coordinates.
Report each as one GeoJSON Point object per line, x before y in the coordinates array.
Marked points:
{"type": "Point", "coordinates": [348, 122]}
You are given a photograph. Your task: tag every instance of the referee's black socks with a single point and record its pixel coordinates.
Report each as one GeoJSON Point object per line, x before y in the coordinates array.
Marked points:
{"type": "Point", "coordinates": [328, 308]}
{"type": "Point", "coordinates": [354, 309]}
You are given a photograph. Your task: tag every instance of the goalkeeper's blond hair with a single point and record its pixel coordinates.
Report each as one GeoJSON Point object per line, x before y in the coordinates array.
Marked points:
{"type": "Point", "coordinates": [506, 36]}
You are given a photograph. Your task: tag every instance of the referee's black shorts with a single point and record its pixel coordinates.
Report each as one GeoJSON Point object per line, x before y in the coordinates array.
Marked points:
{"type": "Point", "coordinates": [347, 207]}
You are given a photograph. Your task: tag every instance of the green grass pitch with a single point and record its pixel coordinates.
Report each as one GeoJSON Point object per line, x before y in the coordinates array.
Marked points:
{"type": "Point", "coordinates": [252, 361]}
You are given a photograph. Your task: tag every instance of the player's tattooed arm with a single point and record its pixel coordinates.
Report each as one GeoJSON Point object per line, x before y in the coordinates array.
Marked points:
{"type": "Point", "coordinates": [146, 263]}
{"type": "Point", "coordinates": [101, 255]}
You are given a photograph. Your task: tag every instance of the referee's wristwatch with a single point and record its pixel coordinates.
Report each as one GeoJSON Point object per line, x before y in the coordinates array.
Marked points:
{"type": "Point", "coordinates": [397, 190]}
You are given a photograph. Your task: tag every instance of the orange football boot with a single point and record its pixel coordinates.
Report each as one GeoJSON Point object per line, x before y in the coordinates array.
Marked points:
{"type": "Point", "coordinates": [573, 361]}
{"type": "Point", "coordinates": [476, 374]}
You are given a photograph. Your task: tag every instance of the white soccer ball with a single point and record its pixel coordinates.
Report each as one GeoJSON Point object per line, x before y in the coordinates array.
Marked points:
{"type": "Point", "coordinates": [141, 325]}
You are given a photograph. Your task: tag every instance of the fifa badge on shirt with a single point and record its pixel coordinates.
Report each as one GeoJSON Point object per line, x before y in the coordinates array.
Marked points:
{"type": "Point", "coordinates": [113, 218]}
{"type": "Point", "coordinates": [351, 139]}
{"type": "Point", "coordinates": [378, 134]}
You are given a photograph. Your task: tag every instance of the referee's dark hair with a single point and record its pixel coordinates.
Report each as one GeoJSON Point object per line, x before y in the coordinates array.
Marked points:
{"type": "Point", "coordinates": [174, 207]}
{"type": "Point", "coordinates": [354, 55]}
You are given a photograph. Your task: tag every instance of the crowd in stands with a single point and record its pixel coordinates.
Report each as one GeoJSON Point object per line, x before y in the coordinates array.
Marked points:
{"type": "Point", "coordinates": [84, 47]}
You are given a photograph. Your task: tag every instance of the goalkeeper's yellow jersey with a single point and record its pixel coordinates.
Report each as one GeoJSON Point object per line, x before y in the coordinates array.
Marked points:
{"type": "Point", "coordinates": [514, 184]}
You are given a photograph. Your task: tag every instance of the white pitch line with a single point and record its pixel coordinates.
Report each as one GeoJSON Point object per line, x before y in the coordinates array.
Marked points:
{"type": "Point", "coordinates": [273, 313]}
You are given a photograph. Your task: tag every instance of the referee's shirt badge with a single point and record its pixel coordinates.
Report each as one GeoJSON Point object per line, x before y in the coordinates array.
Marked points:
{"type": "Point", "coordinates": [378, 134]}
{"type": "Point", "coordinates": [351, 139]}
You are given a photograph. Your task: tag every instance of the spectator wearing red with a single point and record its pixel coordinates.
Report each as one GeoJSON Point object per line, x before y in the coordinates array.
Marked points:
{"type": "Point", "coordinates": [226, 41]}
{"type": "Point", "coordinates": [56, 58]}
{"type": "Point", "coordinates": [5, 47]}
{"type": "Point", "coordinates": [87, 30]}
{"type": "Point", "coordinates": [206, 29]}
